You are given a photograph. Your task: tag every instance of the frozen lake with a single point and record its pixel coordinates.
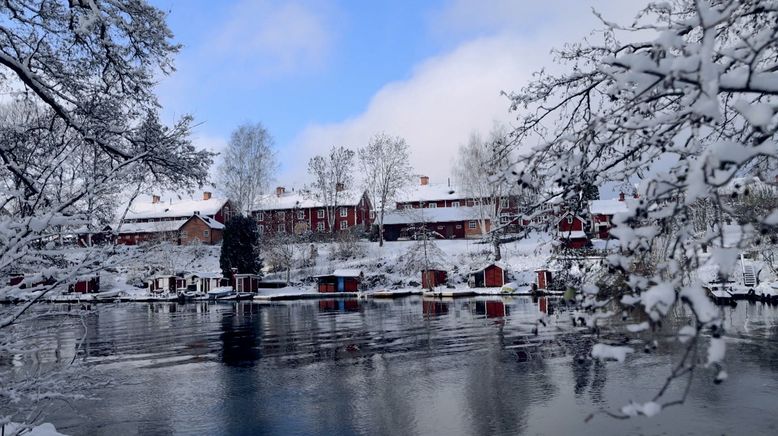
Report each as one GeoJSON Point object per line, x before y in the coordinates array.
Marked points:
{"type": "Point", "coordinates": [407, 366]}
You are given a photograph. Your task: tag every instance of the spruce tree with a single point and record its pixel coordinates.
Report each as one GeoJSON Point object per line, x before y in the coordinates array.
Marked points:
{"type": "Point", "coordinates": [240, 247]}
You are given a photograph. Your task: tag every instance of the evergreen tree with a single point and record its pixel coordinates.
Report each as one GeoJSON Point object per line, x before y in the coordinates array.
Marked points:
{"type": "Point", "coordinates": [240, 247]}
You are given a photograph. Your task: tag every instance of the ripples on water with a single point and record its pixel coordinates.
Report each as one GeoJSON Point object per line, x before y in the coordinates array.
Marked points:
{"type": "Point", "coordinates": [408, 366]}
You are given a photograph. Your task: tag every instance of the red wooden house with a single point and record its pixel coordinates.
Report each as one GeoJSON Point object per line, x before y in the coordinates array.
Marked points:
{"type": "Point", "coordinates": [490, 276]}
{"type": "Point", "coordinates": [85, 285]}
{"type": "Point", "coordinates": [602, 212]}
{"type": "Point", "coordinates": [571, 230]}
{"type": "Point", "coordinates": [179, 222]}
{"type": "Point", "coordinates": [298, 212]}
{"type": "Point", "coordinates": [246, 282]}
{"type": "Point", "coordinates": [433, 277]}
{"type": "Point", "coordinates": [341, 280]}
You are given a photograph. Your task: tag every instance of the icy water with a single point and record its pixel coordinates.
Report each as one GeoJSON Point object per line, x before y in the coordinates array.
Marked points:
{"type": "Point", "coordinates": [399, 367]}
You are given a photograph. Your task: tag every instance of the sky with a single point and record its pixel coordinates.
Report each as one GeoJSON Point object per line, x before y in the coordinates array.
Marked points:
{"type": "Point", "coordinates": [324, 73]}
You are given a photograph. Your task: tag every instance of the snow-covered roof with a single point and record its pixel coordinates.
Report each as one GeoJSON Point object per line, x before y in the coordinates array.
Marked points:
{"type": "Point", "coordinates": [166, 226]}
{"type": "Point", "coordinates": [431, 215]}
{"type": "Point", "coordinates": [607, 207]}
{"type": "Point", "coordinates": [573, 234]}
{"type": "Point", "coordinates": [500, 265]}
{"type": "Point", "coordinates": [347, 273]}
{"type": "Point", "coordinates": [210, 222]}
{"type": "Point", "coordinates": [174, 209]}
{"type": "Point", "coordinates": [152, 227]}
{"type": "Point", "coordinates": [738, 185]}
{"type": "Point", "coordinates": [430, 192]}
{"type": "Point", "coordinates": [304, 199]}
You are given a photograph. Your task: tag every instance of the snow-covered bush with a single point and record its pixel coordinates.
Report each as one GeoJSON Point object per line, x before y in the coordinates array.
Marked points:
{"type": "Point", "coordinates": [682, 108]}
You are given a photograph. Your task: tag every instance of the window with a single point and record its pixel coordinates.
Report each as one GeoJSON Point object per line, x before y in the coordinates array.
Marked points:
{"type": "Point", "coordinates": [432, 205]}
{"type": "Point", "coordinates": [569, 219]}
{"type": "Point", "coordinates": [459, 226]}
{"type": "Point", "coordinates": [343, 212]}
{"type": "Point", "coordinates": [320, 213]}
{"type": "Point", "coordinates": [455, 204]}
{"type": "Point", "coordinates": [344, 225]}
{"type": "Point", "coordinates": [372, 214]}
{"type": "Point", "coordinates": [184, 234]}
{"type": "Point", "coordinates": [206, 233]}
{"type": "Point", "coordinates": [504, 203]}
{"type": "Point", "coordinates": [471, 224]}
{"type": "Point", "coordinates": [281, 215]}
{"type": "Point", "coordinates": [261, 216]}
{"type": "Point", "coordinates": [281, 228]}
{"type": "Point", "coordinates": [320, 226]}
{"type": "Point", "coordinates": [300, 215]}
{"type": "Point", "coordinates": [440, 227]}
{"type": "Point", "coordinates": [261, 229]}
{"type": "Point", "coordinates": [505, 218]}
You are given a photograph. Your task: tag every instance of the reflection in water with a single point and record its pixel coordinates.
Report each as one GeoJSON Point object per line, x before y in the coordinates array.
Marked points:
{"type": "Point", "coordinates": [340, 366]}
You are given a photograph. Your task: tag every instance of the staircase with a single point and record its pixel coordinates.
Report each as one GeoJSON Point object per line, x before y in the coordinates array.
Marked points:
{"type": "Point", "coordinates": [749, 274]}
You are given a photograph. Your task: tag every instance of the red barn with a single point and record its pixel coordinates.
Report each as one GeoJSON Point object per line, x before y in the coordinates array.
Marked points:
{"type": "Point", "coordinates": [571, 230]}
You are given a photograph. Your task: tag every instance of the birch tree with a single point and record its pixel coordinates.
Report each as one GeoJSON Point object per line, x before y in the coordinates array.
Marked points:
{"type": "Point", "coordinates": [386, 169]}
{"type": "Point", "coordinates": [684, 107]}
{"type": "Point", "coordinates": [331, 176]}
{"type": "Point", "coordinates": [248, 165]}
{"type": "Point", "coordinates": [479, 168]}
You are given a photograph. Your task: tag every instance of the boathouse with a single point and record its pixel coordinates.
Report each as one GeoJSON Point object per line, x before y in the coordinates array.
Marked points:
{"type": "Point", "coordinates": [85, 285]}
{"type": "Point", "coordinates": [204, 282]}
{"type": "Point", "coordinates": [571, 230]}
{"type": "Point", "coordinates": [544, 278]}
{"type": "Point", "coordinates": [490, 276]}
{"type": "Point", "coordinates": [166, 283]}
{"type": "Point", "coordinates": [341, 280]}
{"type": "Point", "coordinates": [433, 277]}
{"type": "Point", "coordinates": [246, 282]}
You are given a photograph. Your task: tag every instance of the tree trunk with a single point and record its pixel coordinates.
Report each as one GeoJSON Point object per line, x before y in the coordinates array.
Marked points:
{"type": "Point", "coordinates": [496, 245]}
{"type": "Point", "coordinates": [381, 229]}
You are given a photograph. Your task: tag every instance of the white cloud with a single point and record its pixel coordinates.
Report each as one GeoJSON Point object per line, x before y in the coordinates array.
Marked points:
{"type": "Point", "coordinates": [451, 95]}
{"type": "Point", "coordinates": [435, 110]}
{"type": "Point", "coordinates": [273, 37]}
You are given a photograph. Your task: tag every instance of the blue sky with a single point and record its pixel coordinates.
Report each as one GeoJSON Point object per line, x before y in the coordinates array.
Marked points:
{"type": "Point", "coordinates": [322, 73]}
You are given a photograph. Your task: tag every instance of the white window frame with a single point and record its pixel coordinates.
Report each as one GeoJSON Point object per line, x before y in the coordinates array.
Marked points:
{"type": "Point", "coordinates": [432, 205]}
{"type": "Point", "coordinates": [261, 229]}
{"type": "Point", "coordinates": [454, 204]}
{"type": "Point", "coordinates": [281, 228]}
{"type": "Point", "coordinates": [184, 234]}
{"type": "Point", "coordinates": [459, 226]}
{"type": "Point", "coordinates": [261, 216]}
{"type": "Point", "coordinates": [206, 233]}
{"type": "Point", "coordinates": [320, 214]}
{"type": "Point", "coordinates": [504, 203]}
{"type": "Point", "coordinates": [300, 214]}
{"type": "Point", "coordinates": [344, 225]}
{"type": "Point", "coordinates": [320, 226]}
{"type": "Point", "coordinates": [569, 219]}
{"type": "Point", "coordinates": [472, 225]}
{"type": "Point", "coordinates": [343, 212]}
{"type": "Point", "coordinates": [281, 215]}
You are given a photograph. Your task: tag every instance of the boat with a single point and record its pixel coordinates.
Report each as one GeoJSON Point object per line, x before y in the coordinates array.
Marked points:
{"type": "Point", "coordinates": [189, 295]}
{"type": "Point", "coordinates": [220, 292]}
{"type": "Point", "coordinates": [237, 296]}
{"type": "Point", "coordinates": [108, 295]}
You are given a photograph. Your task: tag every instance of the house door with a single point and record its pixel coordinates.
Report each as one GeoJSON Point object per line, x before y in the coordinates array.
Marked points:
{"type": "Point", "coordinates": [341, 284]}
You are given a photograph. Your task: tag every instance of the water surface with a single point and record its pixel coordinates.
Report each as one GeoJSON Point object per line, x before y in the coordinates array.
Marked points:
{"type": "Point", "coordinates": [407, 366]}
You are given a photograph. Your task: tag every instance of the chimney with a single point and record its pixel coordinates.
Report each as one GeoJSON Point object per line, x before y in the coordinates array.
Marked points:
{"type": "Point", "coordinates": [621, 196]}
{"type": "Point", "coordinates": [424, 180]}
{"type": "Point", "coordinates": [206, 195]}
{"type": "Point", "coordinates": [280, 190]}
{"type": "Point", "coordinates": [339, 187]}
{"type": "Point", "coordinates": [154, 199]}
